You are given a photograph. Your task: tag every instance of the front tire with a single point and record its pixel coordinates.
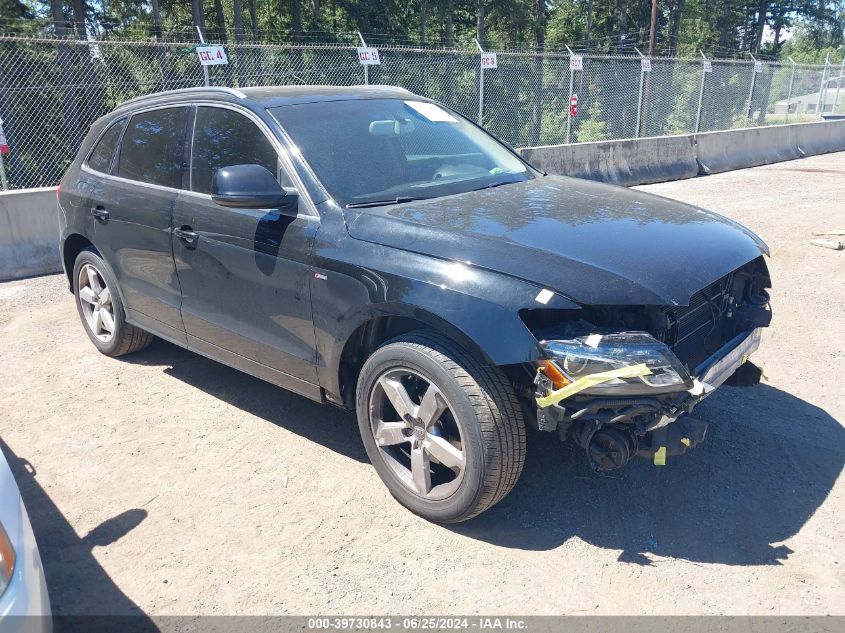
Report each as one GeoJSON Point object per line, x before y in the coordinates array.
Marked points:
{"type": "Point", "coordinates": [101, 309]}
{"type": "Point", "coordinates": [444, 432]}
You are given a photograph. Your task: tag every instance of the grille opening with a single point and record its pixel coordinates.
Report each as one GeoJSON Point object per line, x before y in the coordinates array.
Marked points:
{"type": "Point", "coordinates": [696, 331]}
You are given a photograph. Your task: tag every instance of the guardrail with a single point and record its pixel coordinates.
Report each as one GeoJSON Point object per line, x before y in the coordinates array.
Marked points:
{"type": "Point", "coordinates": [657, 159]}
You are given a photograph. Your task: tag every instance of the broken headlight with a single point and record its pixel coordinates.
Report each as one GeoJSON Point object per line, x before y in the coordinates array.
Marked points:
{"type": "Point", "coordinates": [597, 353]}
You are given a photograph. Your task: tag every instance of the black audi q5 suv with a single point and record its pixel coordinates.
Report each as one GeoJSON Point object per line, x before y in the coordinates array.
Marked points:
{"type": "Point", "coordinates": [374, 250]}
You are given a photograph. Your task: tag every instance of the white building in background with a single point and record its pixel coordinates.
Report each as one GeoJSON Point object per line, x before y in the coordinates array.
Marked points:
{"type": "Point", "coordinates": [807, 104]}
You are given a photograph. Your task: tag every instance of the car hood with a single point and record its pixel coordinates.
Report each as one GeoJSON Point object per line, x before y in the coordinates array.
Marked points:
{"type": "Point", "coordinates": [594, 243]}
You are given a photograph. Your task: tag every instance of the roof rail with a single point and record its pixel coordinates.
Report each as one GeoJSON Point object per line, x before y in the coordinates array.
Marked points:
{"type": "Point", "coordinates": [399, 88]}
{"type": "Point", "coordinates": [229, 91]}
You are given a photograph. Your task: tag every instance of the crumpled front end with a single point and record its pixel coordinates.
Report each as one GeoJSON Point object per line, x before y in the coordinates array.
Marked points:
{"type": "Point", "coordinates": [623, 381]}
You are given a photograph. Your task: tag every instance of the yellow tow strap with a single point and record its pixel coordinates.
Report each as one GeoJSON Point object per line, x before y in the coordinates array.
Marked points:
{"type": "Point", "coordinates": [632, 371]}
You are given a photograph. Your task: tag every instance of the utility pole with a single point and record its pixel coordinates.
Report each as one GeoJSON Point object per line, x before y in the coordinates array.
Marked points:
{"type": "Point", "coordinates": [652, 34]}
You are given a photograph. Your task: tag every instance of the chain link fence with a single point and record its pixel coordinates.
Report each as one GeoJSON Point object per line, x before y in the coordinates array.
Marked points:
{"type": "Point", "coordinates": [52, 90]}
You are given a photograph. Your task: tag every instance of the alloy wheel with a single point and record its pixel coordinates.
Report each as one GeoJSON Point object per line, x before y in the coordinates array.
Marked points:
{"type": "Point", "coordinates": [96, 301]}
{"type": "Point", "coordinates": [417, 433]}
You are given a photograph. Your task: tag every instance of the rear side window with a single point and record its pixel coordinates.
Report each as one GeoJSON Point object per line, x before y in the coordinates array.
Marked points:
{"type": "Point", "coordinates": [151, 147]}
{"type": "Point", "coordinates": [100, 158]}
{"type": "Point", "coordinates": [223, 138]}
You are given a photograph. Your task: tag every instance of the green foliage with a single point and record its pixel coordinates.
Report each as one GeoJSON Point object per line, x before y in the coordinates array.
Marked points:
{"type": "Point", "coordinates": [720, 27]}
{"type": "Point", "coordinates": [553, 128]}
{"type": "Point", "coordinates": [595, 127]}
{"type": "Point", "coordinates": [50, 92]}
{"type": "Point", "coordinates": [811, 43]}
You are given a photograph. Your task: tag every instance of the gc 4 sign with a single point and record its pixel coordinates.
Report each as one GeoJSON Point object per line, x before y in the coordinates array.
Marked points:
{"type": "Point", "coordinates": [708, 66]}
{"type": "Point", "coordinates": [576, 62]}
{"type": "Point", "coordinates": [645, 63]}
{"type": "Point", "coordinates": [488, 60]}
{"type": "Point", "coordinates": [368, 57]}
{"type": "Point", "coordinates": [212, 55]}
{"type": "Point", "coordinates": [758, 67]}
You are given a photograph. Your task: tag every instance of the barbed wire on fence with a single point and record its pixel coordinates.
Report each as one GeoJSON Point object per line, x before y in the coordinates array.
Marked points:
{"type": "Point", "coordinates": [52, 89]}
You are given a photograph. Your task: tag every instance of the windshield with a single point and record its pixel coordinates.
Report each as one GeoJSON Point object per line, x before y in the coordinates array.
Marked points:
{"type": "Point", "coordinates": [368, 152]}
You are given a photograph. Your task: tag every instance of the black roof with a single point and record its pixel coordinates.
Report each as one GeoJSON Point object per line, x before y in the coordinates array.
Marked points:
{"type": "Point", "coordinates": [271, 96]}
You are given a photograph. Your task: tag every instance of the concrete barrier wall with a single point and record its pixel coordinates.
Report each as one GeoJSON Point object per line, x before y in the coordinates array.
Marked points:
{"type": "Point", "coordinates": [750, 147]}
{"type": "Point", "coordinates": [630, 162]}
{"type": "Point", "coordinates": [29, 233]}
{"type": "Point", "coordinates": [658, 159]}
{"type": "Point", "coordinates": [820, 138]}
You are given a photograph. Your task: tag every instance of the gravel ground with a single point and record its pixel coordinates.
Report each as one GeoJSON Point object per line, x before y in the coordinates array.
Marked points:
{"type": "Point", "coordinates": [164, 483]}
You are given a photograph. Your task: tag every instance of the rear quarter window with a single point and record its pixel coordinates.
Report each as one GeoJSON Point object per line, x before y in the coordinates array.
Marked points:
{"type": "Point", "coordinates": [101, 157]}
{"type": "Point", "coordinates": [152, 146]}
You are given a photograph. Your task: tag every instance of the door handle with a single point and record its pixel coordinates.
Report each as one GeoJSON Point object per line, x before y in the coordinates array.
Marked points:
{"type": "Point", "coordinates": [187, 235]}
{"type": "Point", "coordinates": [100, 213]}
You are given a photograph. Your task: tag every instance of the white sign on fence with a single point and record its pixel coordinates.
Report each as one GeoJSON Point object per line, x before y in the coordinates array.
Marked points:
{"type": "Point", "coordinates": [708, 66]}
{"type": "Point", "coordinates": [212, 55]}
{"type": "Point", "coordinates": [368, 56]}
{"type": "Point", "coordinates": [576, 62]}
{"type": "Point", "coordinates": [488, 60]}
{"type": "Point", "coordinates": [758, 67]}
{"type": "Point", "coordinates": [645, 63]}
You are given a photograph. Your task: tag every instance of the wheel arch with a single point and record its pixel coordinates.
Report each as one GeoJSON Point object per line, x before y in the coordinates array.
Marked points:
{"type": "Point", "coordinates": [72, 245]}
{"type": "Point", "coordinates": [373, 332]}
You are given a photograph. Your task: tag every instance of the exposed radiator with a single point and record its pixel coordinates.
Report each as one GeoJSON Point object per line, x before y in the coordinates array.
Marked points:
{"type": "Point", "coordinates": [697, 331]}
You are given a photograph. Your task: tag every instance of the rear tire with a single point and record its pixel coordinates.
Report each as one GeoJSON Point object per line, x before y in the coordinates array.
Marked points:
{"type": "Point", "coordinates": [101, 309]}
{"type": "Point", "coordinates": [444, 431]}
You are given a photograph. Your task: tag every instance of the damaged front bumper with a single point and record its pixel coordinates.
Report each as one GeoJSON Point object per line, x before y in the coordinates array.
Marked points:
{"type": "Point", "coordinates": [614, 430]}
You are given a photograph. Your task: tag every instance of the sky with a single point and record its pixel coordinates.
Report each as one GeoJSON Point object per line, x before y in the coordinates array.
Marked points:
{"type": "Point", "coordinates": [769, 34]}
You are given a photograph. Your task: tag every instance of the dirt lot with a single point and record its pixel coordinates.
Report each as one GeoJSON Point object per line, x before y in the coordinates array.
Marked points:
{"type": "Point", "coordinates": [167, 484]}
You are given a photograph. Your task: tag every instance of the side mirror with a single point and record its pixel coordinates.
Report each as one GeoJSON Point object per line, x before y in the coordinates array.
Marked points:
{"type": "Point", "coordinates": [250, 187]}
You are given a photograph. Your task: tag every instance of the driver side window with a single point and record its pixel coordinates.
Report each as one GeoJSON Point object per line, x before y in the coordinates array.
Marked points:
{"type": "Point", "coordinates": [222, 138]}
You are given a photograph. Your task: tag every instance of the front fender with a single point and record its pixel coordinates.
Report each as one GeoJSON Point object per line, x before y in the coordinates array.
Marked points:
{"type": "Point", "coordinates": [468, 303]}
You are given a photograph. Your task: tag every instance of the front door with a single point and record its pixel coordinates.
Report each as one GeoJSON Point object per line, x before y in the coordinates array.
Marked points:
{"type": "Point", "coordinates": [244, 272]}
{"type": "Point", "coordinates": [133, 209]}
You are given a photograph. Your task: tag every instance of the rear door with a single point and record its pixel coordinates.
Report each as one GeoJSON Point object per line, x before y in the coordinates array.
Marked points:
{"type": "Point", "coordinates": [84, 193]}
{"type": "Point", "coordinates": [133, 209]}
{"type": "Point", "coordinates": [244, 272]}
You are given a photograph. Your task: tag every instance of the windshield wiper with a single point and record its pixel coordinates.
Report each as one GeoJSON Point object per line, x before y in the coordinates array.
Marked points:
{"type": "Point", "coordinates": [497, 184]}
{"type": "Point", "coordinates": [381, 203]}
